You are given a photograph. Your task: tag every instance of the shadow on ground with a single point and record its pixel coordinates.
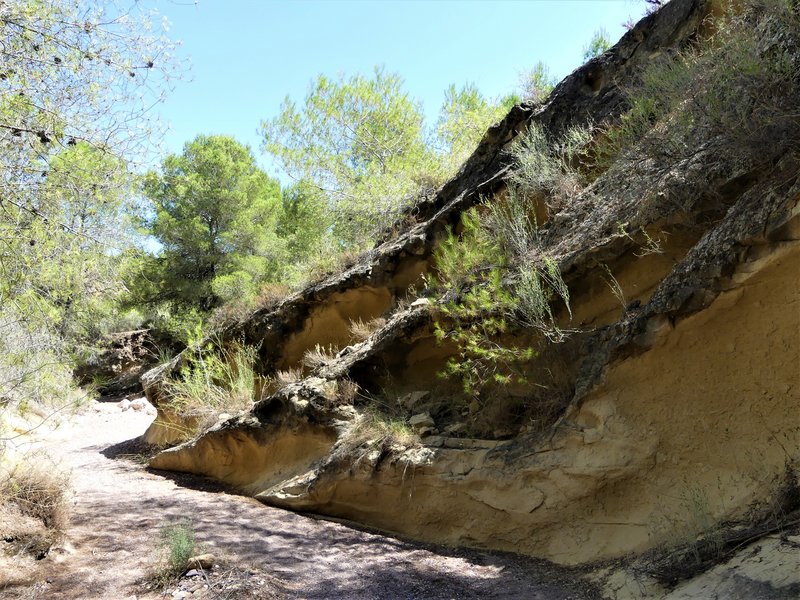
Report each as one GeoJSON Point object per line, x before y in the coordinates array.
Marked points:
{"type": "Point", "coordinates": [318, 558]}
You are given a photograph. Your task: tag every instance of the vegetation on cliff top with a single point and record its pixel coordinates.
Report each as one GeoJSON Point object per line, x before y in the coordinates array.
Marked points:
{"type": "Point", "coordinates": [86, 254]}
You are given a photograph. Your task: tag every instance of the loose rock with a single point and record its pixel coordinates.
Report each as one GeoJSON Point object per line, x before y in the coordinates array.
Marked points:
{"type": "Point", "coordinates": [202, 561]}
{"type": "Point", "coordinates": [421, 421]}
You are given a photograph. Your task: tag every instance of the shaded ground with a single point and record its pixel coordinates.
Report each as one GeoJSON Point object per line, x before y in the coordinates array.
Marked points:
{"type": "Point", "coordinates": [119, 508]}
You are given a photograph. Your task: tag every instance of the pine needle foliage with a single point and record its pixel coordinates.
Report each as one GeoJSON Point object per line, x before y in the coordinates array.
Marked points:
{"type": "Point", "coordinates": [498, 282]}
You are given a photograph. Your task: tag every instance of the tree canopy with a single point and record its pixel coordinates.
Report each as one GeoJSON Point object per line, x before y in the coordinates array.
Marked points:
{"type": "Point", "coordinates": [537, 83]}
{"type": "Point", "coordinates": [76, 78]}
{"type": "Point", "coordinates": [599, 43]}
{"type": "Point", "coordinates": [357, 139]}
{"type": "Point", "coordinates": [464, 117]}
{"type": "Point", "coordinates": [363, 144]}
{"type": "Point", "coordinates": [215, 215]}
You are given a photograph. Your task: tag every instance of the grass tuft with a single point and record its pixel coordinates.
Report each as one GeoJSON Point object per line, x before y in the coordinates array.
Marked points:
{"type": "Point", "coordinates": [176, 545]}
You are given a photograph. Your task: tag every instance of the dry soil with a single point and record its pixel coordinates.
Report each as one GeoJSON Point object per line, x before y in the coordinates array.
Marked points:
{"type": "Point", "coordinates": [119, 508]}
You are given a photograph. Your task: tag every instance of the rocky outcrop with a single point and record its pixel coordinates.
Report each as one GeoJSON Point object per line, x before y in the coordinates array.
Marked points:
{"type": "Point", "coordinates": [681, 380]}
{"type": "Point", "coordinates": [629, 455]}
{"type": "Point", "coordinates": [320, 314]}
{"type": "Point", "coordinates": [127, 355]}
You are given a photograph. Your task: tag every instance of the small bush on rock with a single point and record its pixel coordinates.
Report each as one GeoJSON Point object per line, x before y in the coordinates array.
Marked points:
{"type": "Point", "coordinates": [213, 380]}
{"type": "Point", "coordinates": [496, 280]}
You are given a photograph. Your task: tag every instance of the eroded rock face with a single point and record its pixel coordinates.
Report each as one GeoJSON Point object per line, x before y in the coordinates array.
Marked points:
{"type": "Point", "coordinates": [168, 427]}
{"type": "Point", "coordinates": [593, 93]}
{"type": "Point", "coordinates": [684, 400]}
{"type": "Point", "coordinates": [686, 415]}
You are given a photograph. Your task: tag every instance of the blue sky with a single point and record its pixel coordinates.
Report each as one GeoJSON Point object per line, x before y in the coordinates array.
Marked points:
{"type": "Point", "coordinates": [247, 55]}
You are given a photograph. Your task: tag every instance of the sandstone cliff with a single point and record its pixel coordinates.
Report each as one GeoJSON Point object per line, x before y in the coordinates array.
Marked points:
{"type": "Point", "coordinates": [670, 407]}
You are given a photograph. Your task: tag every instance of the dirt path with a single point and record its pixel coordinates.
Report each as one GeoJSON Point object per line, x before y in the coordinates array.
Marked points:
{"type": "Point", "coordinates": [119, 508]}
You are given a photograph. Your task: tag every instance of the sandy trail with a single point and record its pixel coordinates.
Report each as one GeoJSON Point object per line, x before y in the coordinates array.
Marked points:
{"type": "Point", "coordinates": [119, 508]}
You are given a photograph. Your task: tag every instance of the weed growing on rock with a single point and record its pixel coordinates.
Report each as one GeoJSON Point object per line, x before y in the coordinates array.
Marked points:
{"type": "Point", "coordinates": [213, 381]}
{"type": "Point", "coordinates": [374, 435]}
{"type": "Point", "coordinates": [361, 330]}
{"type": "Point", "coordinates": [319, 356]}
{"type": "Point", "coordinates": [549, 169]}
{"type": "Point", "coordinates": [284, 378]}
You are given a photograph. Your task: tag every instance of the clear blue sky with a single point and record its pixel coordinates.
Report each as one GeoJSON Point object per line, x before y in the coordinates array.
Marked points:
{"type": "Point", "coordinates": [247, 55]}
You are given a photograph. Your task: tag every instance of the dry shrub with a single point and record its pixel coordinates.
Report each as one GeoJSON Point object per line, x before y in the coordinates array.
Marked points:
{"type": "Point", "coordinates": [373, 431]}
{"type": "Point", "coordinates": [361, 330]}
{"type": "Point", "coordinates": [34, 508]}
{"type": "Point", "coordinates": [346, 390]}
{"type": "Point", "coordinates": [319, 356]}
{"type": "Point", "coordinates": [230, 579]}
{"type": "Point", "coordinates": [696, 542]}
{"type": "Point", "coordinates": [270, 295]}
{"type": "Point", "coordinates": [229, 314]}
{"type": "Point", "coordinates": [280, 380]}
{"type": "Point", "coordinates": [288, 376]}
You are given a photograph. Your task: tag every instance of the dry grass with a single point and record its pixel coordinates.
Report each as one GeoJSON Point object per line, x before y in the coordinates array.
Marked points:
{"type": "Point", "coordinates": [229, 580]}
{"type": "Point", "coordinates": [361, 330]}
{"type": "Point", "coordinates": [284, 378]}
{"type": "Point", "coordinates": [34, 507]}
{"type": "Point", "coordinates": [319, 356]}
{"type": "Point", "coordinates": [280, 380]}
{"type": "Point", "coordinates": [374, 431]}
{"type": "Point", "coordinates": [346, 391]}
{"type": "Point", "coordinates": [696, 542]}
{"type": "Point", "coordinates": [212, 382]}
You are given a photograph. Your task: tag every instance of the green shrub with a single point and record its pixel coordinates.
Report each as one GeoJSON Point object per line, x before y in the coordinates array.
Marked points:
{"type": "Point", "coordinates": [475, 321]}
{"type": "Point", "coordinates": [496, 281]}
{"type": "Point", "coordinates": [177, 545]}
{"type": "Point", "coordinates": [213, 380]}
{"type": "Point", "coordinates": [733, 95]}
{"type": "Point", "coordinates": [461, 260]}
{"type": "Point", "coordinates": [549, 168]}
